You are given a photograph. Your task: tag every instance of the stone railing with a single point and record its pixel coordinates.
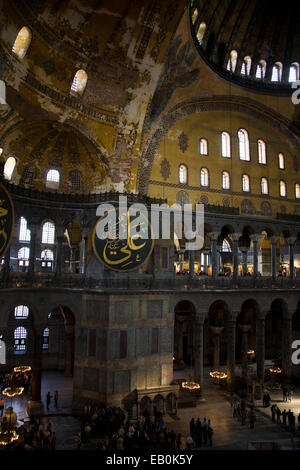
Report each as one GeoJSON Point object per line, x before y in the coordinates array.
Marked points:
{"type": "Point", "coordinates": [78, 281]}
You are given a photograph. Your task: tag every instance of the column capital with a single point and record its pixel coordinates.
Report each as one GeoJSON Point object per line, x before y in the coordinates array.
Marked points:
{"type": "Point", "coordinates": [274, 239]}
{"type": "Point", "coordinates": [291, 240]}
{"type": "Point", "coordinates": [214, 235]}
{"type": "Point", "coordinates": [236, 236]}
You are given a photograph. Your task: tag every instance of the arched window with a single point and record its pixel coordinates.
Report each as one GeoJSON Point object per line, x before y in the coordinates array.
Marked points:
{"type": "Point", "coordinates": [24, 233]}
{"type": "Point", "coordinates": [282, 188]}
{"type": "Point", "coordinates": [204, 177]}
{"type": "Point", "coordinates": [246, 66]}
{"type": "Point", "coordinates": [261, 150]}
{"type": "Point", "coordinates": [231, 64]}
{"type": "Point", "coordinates": [52, 179]}
{"type": "Point", "coordinates": [182, 174]}
{"type": "Point", "coordinates": [245, 183]}
{"type": "Point", "coordinates": [47, 258]}
{"type": "Point", "coordinates": [225, 180]}
{"type": "Point", "coordinates": [79, 82]}
{"type": "Point", "coordinates": [226, 246]}
{"type": "Point", "coordinates": [281, 161]}
{"type": "Point", "coordinates": [21, 311]}
{"type": "Point", "coordinates": [203, 147]}
{"type": "Point", "coordinates": [276, 72]}
{"type": "Point", "coordinates": [294, 72]}
{"type": "Point", "coordinates": [23, 256]}
{"type": "Point", "coordinates": [297, 191]}
{"type": "Point", "coordinates": [48, 233]}
{"type": "Point", "coordinates": [22, 42]}
{"type": "Point", "coordinates": [46, 334]}
{"type": "Point", "coordinates": [261, 69]}
{"type": "Point", "coordinates": [201, 32]}
{"type": "Point", "coordinates": [9, 167]}
{"type": "Point", "coordinates": [75, 179]}
{"type": "Point", "coordinates": [195, 15]}
{"type": "Point", "coordinates": [225, 144]}
{"type": "Point", "coordinates": [20, 337]}
{"type": "Point", "coordinates": [264, 186]}
{"type": "Point", "coordinates": [244, 151]}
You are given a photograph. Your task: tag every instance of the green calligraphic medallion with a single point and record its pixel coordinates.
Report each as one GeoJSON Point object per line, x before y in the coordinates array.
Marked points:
{"type": "Point", "coordinates": [7, 215]}
{"type": "Point", "coordinates": [124, 254]}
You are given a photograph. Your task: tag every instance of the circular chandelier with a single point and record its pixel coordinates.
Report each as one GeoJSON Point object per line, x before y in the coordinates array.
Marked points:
{"type": "Point", "coordinates": [190, 385]}
{"type": "Point", "coordinates": [12, 391]}
{"type": "Point", "coordinates": [7, 437]}
{"type": "Point", "coordinates": [275, 370]}
{"type": "Point", "coordinates": [216, 374]}
{"type": "Point", "coordinates": [22, 369]}
{"type": "Point", "coordinates": [250, 352]}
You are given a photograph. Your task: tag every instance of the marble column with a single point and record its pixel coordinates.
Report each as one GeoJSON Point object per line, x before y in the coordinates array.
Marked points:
{"type": "Point", "coordinates": [59, 251]}
{"type": "Point", "coordinates": [244, 250]}
{"type": "Point", "coordinates": [216, 332]}
{"type": "Point", "coordinates": [230, 330]}
{"type": "Point", "coordinates": [291, 241]}
{"type": "Point", "coordinates": [273, 241]}
{"type": "Point", "coordinates": [198, 368]}
{"type": "Point", "coordinates": [179, 341]}
{"type": "Point", "coordinates": [191, 264]}
{"type": "Point", "coordinates": [255, 240]}
{"type": "Point", "coordinates": [245, 331]}
{"type": "Point", "coordinates": [287, 350]}
{"type": "Point", "coordinates": [235, 238]}
{"type": "Point", "coordinates": [35, 406]}
{"type": "Point", "coordinates": [260, 348]}
{"type": "Point", "coordinates": [214, 238]}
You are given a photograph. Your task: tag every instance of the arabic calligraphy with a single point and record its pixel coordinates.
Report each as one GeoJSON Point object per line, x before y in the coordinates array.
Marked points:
{"type": "Point", "coordinates": [125, 254]}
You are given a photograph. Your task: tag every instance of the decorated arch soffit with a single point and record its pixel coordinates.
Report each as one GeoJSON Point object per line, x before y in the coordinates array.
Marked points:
{"type": "Point", "coordinates": [225, 103]}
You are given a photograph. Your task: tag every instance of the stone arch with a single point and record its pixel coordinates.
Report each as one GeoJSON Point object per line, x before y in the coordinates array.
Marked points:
{"type": "Point", "coordinates": [145, 406]}
{"type": "Point", "coordinates": [171, 403]}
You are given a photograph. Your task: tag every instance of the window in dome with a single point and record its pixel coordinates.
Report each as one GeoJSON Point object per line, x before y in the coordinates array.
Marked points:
{"type": "Point", "coordinates": [203, 147]}
{"type": "Point", "coordinates": [225, 180]}
{"type": "Point", "coordinates": [201, 32]}
{"type": "Point", "coordinates": [195, 16]}
{"type": "Point", "coordinates": [244, 150]}
{"type": "Point", "coordinates": [21, 311]}
{"type": "Point", "coordinates": [48, 233]}
{"type": "Point", "coordinates": [20, 337]}
{"type": "Point", "coordinates": [282, 188]}
{"type": "Point", "coordinates": [225, 144]}
{"type": "Point", "coordinates": [46, 334]}
{"type": "Point", "coordinates": [24, 233]}
{"type": "Point", "coordinates": [79, 82]}
{"type": "Point", "coordinates": [281, 161]}
{"type": "Point", "coordinates": [231, 64]}
{"type": "Point", "coordinates": [204, 177]}
{"type": "Point", "coordinates": [22, 42]}
{"type": "Point", "coordinates": [246, 66]}
{"type": "Point", "coordinates": [297, 191]}
{"type": "Point", "coordinates": [9, 167]}
{"type": "Point", "coordinates": [261, 69]}
{"type": "Point", "coordinates": [182, 174]}
{"type": "Point", "coordinates": [52, 179]}
{"type": "Point", "coordinates": [245, 183]}
{"type": "Point", "coordinates": [47, 258]}
{"type": "Point", "coordinates": [75, 179]}
{"type": "Point", "coordinates": [276, 72]}
{"type": "Point", "coordinates": [23, 256]}
{"type": "Point", "coordinates": [294, 72]}
{"type": "Point", "coordinates": [264, 186]}
{"type": "Point", "coordinates": [261, 150]}
{"type": "Point", "coordinates": [28, 175]}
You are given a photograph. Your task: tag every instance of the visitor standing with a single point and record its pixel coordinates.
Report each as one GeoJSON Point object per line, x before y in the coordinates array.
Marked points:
{"type": "Point", "coordinates": [48, 400]}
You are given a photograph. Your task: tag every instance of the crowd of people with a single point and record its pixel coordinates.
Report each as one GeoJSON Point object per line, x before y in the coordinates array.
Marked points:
{"type": "Point", "coordinates": [200, 433]}
{"type": "Point", "coordinates": [243, 415]}
{"type": "Point", "coordinates": [286, 418]}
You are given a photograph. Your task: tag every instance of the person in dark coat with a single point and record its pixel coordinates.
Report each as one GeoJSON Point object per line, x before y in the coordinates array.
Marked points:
{"type": "Point", "coordinates": [192, 428]}
{"type": "Point", "coordinates": [198, 433]}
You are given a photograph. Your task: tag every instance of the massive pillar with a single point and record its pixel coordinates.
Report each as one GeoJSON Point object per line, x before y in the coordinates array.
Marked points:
{"type": "Point", "coordinates": [214, 238]}
{"type": "Point", "coordinates": [199, 353]}
{"type": "Point", "coordinates": [216, 332]}
{"type": "Point", "coordinates": [273, 241]}
{"type": "Point", "coordinates": [235, 237]}
{"type": "Point", "coordinates": [179, 341]}
{"type": "Point", "coordinates": [260, 348]}
{"type": "Point", "coordinates": [69, 350]}
{"type": "Point", "coordinates": [245, 331]}
{"type": "Point", "coordinates": [35, 406]}
{"type": "Point", "coordinates": [287, 350]}
{"type": "Point", "coordinates": [290, 242]}
{"type": "Point", "coordinates": [230, 328]}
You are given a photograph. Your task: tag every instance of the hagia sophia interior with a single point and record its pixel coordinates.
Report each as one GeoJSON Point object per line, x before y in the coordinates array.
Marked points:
{"type": "Point", "coordinates": [187, 102]}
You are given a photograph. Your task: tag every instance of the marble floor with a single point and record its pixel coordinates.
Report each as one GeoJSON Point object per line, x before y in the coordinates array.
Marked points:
{"type": "Point", "coordinates": [229, 434]}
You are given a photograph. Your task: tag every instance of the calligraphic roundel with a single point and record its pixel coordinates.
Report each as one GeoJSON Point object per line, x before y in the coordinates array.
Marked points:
{"type": "Point", "coordinates": [126, 253]}
{"type": "Point", "coordinates": [7, 215]}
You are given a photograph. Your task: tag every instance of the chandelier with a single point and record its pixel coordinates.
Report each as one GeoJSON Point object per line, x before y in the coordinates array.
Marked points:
{"type": "Point", "coordinates": [250, 352]}
{"type": "Point", "coordinates": [190, 385]}
{"type": "Point", "coordinates": [7, 437]}
{"type": "Point", "coordinates": [13, 391]}
{"type": "Point", "coordinates": [216, 374]}
{"type": "Point", "coordinates": [22, 369]}
{"type": "Point", "coordinates": [275, 370]}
